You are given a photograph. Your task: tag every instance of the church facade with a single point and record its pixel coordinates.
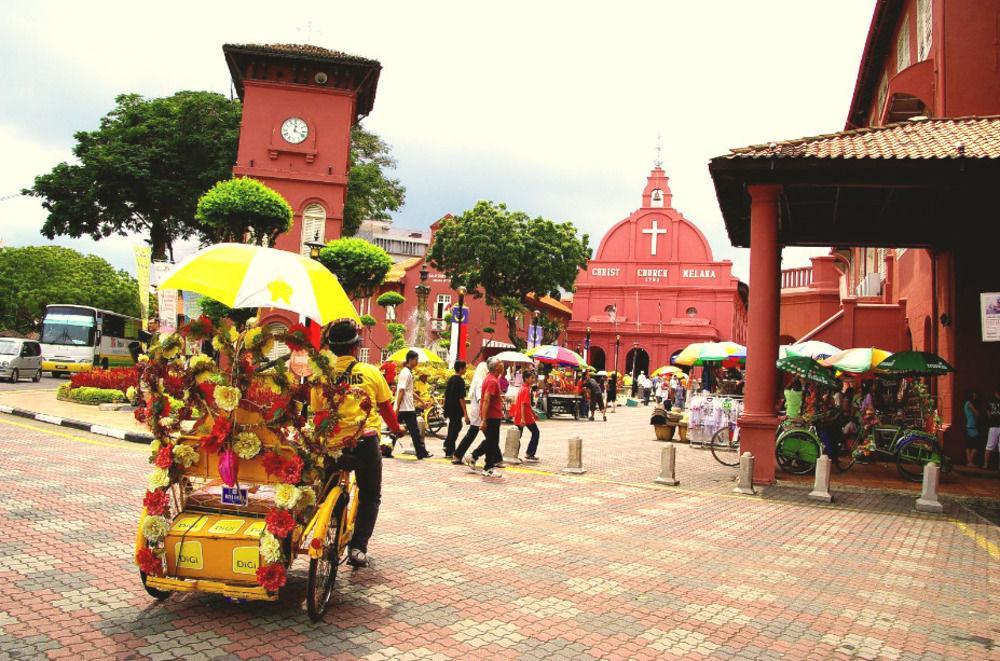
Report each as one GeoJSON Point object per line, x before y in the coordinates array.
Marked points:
{"type": "Point", "coordinates": [652, 288]}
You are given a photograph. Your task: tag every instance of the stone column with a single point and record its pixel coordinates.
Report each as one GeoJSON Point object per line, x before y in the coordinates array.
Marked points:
{"type": "Point", "coordinates": [759, 422]}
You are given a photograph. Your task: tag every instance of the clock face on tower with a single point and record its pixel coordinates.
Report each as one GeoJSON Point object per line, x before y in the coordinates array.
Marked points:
{"type": "Point", "coordinates": [294, 130]}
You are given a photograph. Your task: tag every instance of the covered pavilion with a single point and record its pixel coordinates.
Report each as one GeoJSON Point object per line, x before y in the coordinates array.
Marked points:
{"type": "Point", "coordinates": [922, 183]}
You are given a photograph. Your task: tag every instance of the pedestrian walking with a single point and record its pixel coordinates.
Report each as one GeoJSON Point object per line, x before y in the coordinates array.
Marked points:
{"type": "Point", "coordinates": [596, 398]}
{"type": "Point", "coordinates": [647, 388]}
{"type": "Point", "coordinates": [491, 412]}
{"type": "Point", "coordinates": [613, 391]}
{"type": "Point", "coordinates": [524, 415]}
{"type": "Point", "coordinates": [405, 406]}
{"type": "Point", "coordinates": [454, 407]}
{"type": "Point", "coordinates": [475, 398]}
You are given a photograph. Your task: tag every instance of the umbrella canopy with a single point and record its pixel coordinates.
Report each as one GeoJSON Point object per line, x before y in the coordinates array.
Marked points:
{"type": "Point", "coordinates": [243, 276]}
{"type": "Point", "coordinates": [812, 348]}
{"type": "Point", "coordinates": [423, 355]}
{"type": "Point", "coordinates": [914, 363]}
{"type": "Point", "coordinates": [856, 360]}
{"type": "Point", "coordinates": [809, 369]}
{"type": "Point", "coordinates": [670, 370]}
{"type": "Point", "coordinates": [717, 352]}
{"type": "Point", "coordinates": [513, 357]}
{"type": "Point", "coordinates": [555, 355]}
{"type": "Point", "coordinates": [689, 354]}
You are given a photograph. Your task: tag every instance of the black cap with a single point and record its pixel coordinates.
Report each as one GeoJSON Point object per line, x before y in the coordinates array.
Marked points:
{"type": "Point", "coordinates": [342, 333]}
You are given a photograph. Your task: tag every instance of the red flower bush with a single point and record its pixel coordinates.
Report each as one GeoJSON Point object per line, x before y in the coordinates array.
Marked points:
{"type": "Point", "coordinates": [165, 456]}
{"type": "Point", "coordinates": [149, 564]}
{"type": "Point", "coordinates": [279, 523]}
{"type": "Point", "coordinates": [271, 577]}
{"type": "Point", "coordinates": [120, 378]}
{"type": "Point", "coordinates": [156, 502]}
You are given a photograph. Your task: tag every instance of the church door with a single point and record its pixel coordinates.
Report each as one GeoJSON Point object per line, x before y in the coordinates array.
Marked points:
{"type": "Point", "coordinates": [636, 361]}
{"type": "Point", "coordinates": [597, 359]}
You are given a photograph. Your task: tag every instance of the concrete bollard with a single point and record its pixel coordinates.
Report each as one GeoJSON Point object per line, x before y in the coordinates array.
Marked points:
{"type": "Point", "coordinates": [668, 462]}
{"type": "Point", "coordinates": [512, 446]}
{"type": "Point", "coordinates": [928, 501]}
{"type": "Point", "coordinates": [574, 462]}
{"type": "Point", "coordinates": [821, 486]}
{"type": "Point", "coordinates": [745, 484]}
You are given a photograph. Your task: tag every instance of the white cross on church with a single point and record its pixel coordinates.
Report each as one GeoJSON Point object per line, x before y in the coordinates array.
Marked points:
{"type": "Point", "coordinates": [652, 232]}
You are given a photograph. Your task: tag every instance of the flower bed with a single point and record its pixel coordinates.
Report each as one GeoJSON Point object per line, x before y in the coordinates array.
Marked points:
{"type": "Point", "coordinates": [88, 395]}
{"type": "Point", "coordinates": [119, 378]}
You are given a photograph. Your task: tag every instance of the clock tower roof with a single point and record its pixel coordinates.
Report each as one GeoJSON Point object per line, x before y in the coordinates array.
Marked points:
{"type": "Point", "coordinates": [307, 66]}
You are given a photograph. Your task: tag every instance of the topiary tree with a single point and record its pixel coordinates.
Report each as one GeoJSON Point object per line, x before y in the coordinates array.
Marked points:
{"type": "Point", "coordinates": [241, 209]}
{"type": "Point", "coordinates": [396, 331]}
{"type": "Point", "coordinates": [359, 266]}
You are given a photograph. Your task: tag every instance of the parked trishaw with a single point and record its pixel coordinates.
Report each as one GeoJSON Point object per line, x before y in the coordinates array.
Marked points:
{"type": "Point", "coordinates": [245, 466]}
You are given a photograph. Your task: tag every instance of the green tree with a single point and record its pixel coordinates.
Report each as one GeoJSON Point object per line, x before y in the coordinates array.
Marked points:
{"type": "Point", "coordinates": [509, 255]}
{"type": "Point", "coordinates": [216, 310]}
{"type": "Point", "coordinates": [396, 332]}
{"type": "Point", "coordinates": [359, 265]}
{"type": "Point", "coordinates": [143, 169]}
{"type": "Point", "coordinates": [370, 193]}
{"type": "Point", "coordinates": [36, 276]}
{"type": "Point", "coordinates": [242, 208]}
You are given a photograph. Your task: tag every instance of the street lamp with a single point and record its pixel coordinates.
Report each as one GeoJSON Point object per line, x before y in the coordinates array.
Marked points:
{"type": "Point", "coordinates": [618, 343]}
{"type": "Point", "coordinates": [422, 291]}
{"type": "Point", "coordinates": [635, 361]}
{"type": "Point", "coordinates": [314, 246]}
{"type": "Point", "coordinates": [586, 347]}
{"type": "Point", "coordinates": [457, 319]}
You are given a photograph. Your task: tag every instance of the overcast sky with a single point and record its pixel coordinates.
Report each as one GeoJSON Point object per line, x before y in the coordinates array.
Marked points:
{"type": "Point", "coordinates": [551, 107]}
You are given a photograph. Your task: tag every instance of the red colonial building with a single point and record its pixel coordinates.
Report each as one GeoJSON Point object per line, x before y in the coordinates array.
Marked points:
{"type": "Point", "coordinates": [653, 287]}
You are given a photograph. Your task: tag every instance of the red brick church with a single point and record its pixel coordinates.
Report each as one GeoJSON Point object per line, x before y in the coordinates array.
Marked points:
{"type": "Point", "coordinates": [653, 287]}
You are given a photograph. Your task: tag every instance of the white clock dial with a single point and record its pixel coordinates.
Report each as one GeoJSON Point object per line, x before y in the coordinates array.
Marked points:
{"type": "Point", "coordinates": [294, 130]}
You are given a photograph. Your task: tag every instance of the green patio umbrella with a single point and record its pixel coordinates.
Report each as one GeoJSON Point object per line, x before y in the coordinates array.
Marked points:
{"type": "Point", "coordinates": [809, 369]}
{"type": "Point", "coordinates": [914, 363]}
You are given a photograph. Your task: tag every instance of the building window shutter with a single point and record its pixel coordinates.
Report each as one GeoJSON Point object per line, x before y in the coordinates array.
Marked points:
{"type": "Point", "coordinates": [363, 354]}
{"type": "Point", "coordinates": [903, 46]}
{"type": "Point", "coordinates": [924, 22]}
{"type": "Point", "coordinates": [279, 349]}
{"type": "Point", "coordinates": [313, 226]}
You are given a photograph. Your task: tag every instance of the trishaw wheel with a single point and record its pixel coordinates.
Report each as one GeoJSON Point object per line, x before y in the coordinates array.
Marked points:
{"type": "Point", "coordinates": [796, 452]}
{"type": "Point", "coordinates": [725, 447]}
{"type": "Point", "coordinates": [911, 458]}
{"type": "Point", "coordinates": [323, 570]}
{"type": "Point", "coordinates": [435, 423]}
{"type": "Point", "coordinates": [153, 592]}
{"type": "Point", "coordinates": [845, 456]}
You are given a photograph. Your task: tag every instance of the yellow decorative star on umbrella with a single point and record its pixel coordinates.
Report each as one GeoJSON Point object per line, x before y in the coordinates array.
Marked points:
{"type": "Point", "coordinates": [280, 291]}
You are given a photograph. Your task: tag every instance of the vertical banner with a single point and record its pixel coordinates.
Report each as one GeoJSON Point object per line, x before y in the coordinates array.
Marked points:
{"type": "Point", "coordinates": [459, 333]}
{"type": "Point", "coordinates": [166, 298]}
{"type": "Point", "coordinates": [534, 336]}
{"type": "Point", "coordinates": [142, 259]}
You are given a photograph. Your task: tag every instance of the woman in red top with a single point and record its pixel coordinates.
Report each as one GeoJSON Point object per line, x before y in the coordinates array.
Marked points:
{"type": "Point", "coordinates": [524, 415]}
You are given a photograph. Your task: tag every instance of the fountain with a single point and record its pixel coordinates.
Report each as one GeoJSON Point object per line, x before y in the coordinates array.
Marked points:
{"type": "Point", "coordinates": [419, 318]}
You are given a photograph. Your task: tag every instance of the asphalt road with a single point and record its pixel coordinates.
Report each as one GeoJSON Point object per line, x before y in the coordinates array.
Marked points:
{"type": "Point", "coordinates": [47, 383]}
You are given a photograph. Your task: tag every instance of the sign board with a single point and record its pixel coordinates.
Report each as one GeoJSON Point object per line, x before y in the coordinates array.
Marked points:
{"type": "Point", "coordinates": [168, 310]}
{"type": "Point", "coordinates": [234, 496]}
{"type": "Point", "coordinates": [989, 308]}
{"type": "Point", "coordinates": [142, 255]}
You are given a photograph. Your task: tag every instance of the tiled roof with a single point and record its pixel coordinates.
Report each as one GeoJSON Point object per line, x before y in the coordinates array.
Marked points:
{"type": "Point", "coordinates": [398, 270]}
{"type": "Point", "coordinates": [552, 303]}
{"type": "Point", "coordinates": [304, 50]}
{"type": "Point", "coordinates": [946, 138]}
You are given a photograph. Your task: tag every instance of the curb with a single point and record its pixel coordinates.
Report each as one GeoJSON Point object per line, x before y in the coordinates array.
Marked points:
{"type": "Point", "coordinates": [100, 430]}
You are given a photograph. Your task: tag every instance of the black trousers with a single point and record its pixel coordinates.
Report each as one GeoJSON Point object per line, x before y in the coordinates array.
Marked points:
{"type": "Point", "coordinates": [409, 420]}
{"type": "Point", "coordinates": [365, 459]}
{"type": "Point", "coordinates": [454, 427]}
{"type": "Point", "coordinates": [490, 447]}
{"type": "Point", "coordinates": [463, 447]}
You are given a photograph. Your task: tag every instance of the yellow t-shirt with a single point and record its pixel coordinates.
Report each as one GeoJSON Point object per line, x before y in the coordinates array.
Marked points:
{"type": "Point", "coordinates": [367, 378]}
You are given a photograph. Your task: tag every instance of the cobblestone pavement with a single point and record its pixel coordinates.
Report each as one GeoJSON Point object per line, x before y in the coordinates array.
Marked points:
{"type": "Point", "coordinates": [533, 566]}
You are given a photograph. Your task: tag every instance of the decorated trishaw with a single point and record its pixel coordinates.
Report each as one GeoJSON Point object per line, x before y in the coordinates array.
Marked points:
{"type": "Point", "coordinates": [245, 474]}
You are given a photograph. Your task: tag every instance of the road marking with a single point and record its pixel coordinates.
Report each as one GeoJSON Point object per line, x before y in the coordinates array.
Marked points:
{"type": "Point", "coordinates": [74, 437]}
{"type": "Point", "coordinates": [991, 548]}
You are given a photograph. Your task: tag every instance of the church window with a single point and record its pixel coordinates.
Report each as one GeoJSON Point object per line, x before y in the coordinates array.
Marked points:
{"type": "Point", "coordinates": [903, 45]}
{"type": "Point", "coordinates": [278, 349]}
{"type": "Point", "coordinates": [656, 199]}
{"type": "Point", "coordinates": [883, 89]}
{"type": "Point", "coordinates": [442, 305]}
{"type": "Point", "coordinates": [692, 312]}
{"type": "Point", "coordinates": [313, 226]}
{"type": "Point", "coordinates": [493, 315]}
{"type": "Point", "coordinates": [363, 354]}
{"type": "Point", "coordinates": [924, 22]}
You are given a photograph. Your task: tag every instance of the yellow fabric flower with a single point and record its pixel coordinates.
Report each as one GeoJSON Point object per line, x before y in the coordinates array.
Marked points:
{"type": "Point", "coordinates": [252, 336]}
{"type": "Point", "coordinates": [270, 548]}
{"type": "Point", "coordinates": [154, 528]}
{"type": "Point", "coordinates": [227, 397]}
{"type": "Point", "coordinates": [286, 496]}
{"type": "Point", "coordinates": [171, 348]}
{"type": "Point", "coordinates": [160, 477]}
{"type": "Point", "coordinates": [247, 445]}
{"type": "Point", "coordinates": [185, 455]}
{"type": "Point", "coordinates": [308, 496]}
{"type": "Point", "coordinates": [217, 343]}
{"type": "Point", "coordinates": [154, 446]}
{"type": "Point", "coordinates": [143, 358]}
{"type": "Point", "coordinates": [233, 334]}
{"type": "Point", "coordinates": [200, 360]}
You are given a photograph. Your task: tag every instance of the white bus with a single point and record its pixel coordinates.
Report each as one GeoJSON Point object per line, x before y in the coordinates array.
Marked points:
{"type": "Point", "coordinates": [76, 338]}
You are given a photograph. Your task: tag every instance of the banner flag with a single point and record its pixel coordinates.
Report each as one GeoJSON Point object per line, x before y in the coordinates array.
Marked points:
{"type": "Point", "coordinates": [142, 260]}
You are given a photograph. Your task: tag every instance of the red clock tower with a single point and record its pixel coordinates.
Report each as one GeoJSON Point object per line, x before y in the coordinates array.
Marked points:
{"type": "Point", "coordinates": [299, 103]}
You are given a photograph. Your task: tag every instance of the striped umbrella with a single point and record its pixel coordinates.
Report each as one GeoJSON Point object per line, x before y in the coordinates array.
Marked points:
{"type": "Point", "coordinates": [243, 276]}
{"type": "Point", "coordinates": [813, 348]}
{"type": "Point", "coordinates": [856, 361]}
{"type": "Point", "coordinates": [556, 355]}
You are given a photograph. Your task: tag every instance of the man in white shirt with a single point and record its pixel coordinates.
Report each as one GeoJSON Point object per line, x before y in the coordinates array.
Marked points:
{"type": "Point", "coordinates": [405, 409]}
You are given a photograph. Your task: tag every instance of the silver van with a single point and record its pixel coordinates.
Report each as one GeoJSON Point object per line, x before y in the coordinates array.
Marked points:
{"type": "Point", "coordinates": [20, 358]}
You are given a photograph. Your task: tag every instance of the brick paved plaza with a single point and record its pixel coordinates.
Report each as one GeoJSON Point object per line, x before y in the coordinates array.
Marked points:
{"type": "Point", "coordinates": [606, 565]}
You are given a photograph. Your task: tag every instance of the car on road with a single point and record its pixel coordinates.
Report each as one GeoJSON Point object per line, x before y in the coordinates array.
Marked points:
{"type": "Point", "coordinates": [20, 358]}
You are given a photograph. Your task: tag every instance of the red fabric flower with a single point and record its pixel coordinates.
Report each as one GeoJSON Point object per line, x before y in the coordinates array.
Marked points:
{"type": "Point", "coordinates": [155, 502]}
{"type": "Point", "coordinates": [299, 337]}
{"type": "Point", "coordinates": [319, 419]}
{"type": "Point", "coordinates": [210, 443]}
{"type": "Point", "coordinates": [164, 407]}
{"type": "Point", "coordinates": [208, 392]}
{"type": "Point", "coordinates": [149, 563]}
{"type": "Point", "coordinates": [141, 413]}
{"type": "Point", "coordinates": [271, 577]}
{"type": "Point", "coordinates": [273, 464]}
{"type": "Point", "coordinates": [291, 470]}
{"type": "Point", "coordinates": [279, 523]}
{"type": "Point", "coordinates": [165, 456]}
{"type": "Point", "coordinates": [278, 408]}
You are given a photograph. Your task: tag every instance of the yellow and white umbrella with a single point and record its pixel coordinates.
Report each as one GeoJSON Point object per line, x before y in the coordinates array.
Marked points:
{"type": "Point", "coordinates": [244, 276]}
{"type": "Point", "coordinates": [423, 355]}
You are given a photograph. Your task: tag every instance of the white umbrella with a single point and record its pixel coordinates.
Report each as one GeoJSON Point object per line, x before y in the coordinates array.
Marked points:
{"type": "Point", "coordinates": [513, 357]}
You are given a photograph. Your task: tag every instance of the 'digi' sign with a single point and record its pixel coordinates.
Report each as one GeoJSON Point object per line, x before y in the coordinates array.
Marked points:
{"type": "Point", "coordinates": [188, 555]}
{"type": "Point", "coordinates": [246, 559]}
